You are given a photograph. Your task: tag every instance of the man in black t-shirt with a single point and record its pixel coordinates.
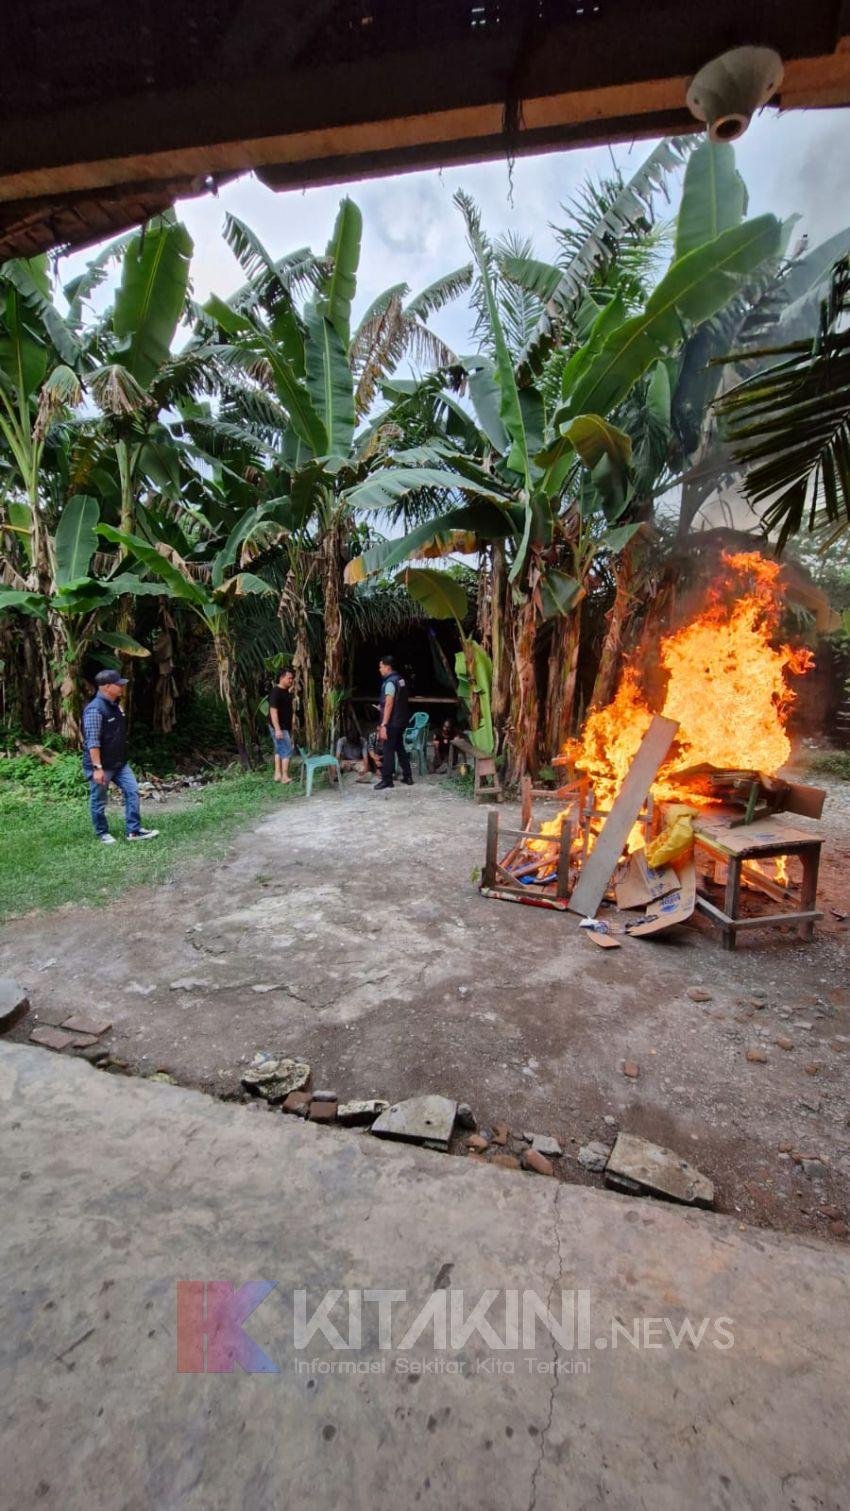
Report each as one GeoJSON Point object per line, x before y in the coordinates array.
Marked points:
{"type": "Point", "coordinates": [280, 724]}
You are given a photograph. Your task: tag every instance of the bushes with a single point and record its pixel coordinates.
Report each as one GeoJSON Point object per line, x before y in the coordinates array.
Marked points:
{"type": "Point", "coordinates": [830, 763]}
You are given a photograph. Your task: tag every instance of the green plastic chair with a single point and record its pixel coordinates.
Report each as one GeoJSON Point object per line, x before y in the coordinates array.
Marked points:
{"type": "Point", "coordinates": [311, 763]}
{"type": "Point", "coordinates": [416, 740]}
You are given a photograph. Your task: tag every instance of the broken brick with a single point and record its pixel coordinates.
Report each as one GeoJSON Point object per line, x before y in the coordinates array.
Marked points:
{"type": "Point", "coordinates": [500, 1133]}
{"type": "Point", "coordinates": [756, 1056]}
{"type": "Point", "coordinates": [476, 1143]}
{"type": "Point", "coordinates": [631, 1069]}
{"type": "Point", "coordinates": [506, 1161]}
{"type": "Point", "coordinates": [785, 1146]}
{"type": "Point", "coordinates": [531, 1160]}
{"type": "Point", "coordinates": [322, 1112]}
{"type": "Point", "coordinates": [811, 1070]}
{"type": "Point", "coordinates": [698, 994]}
{"type": "Point", "coordinates": [78, 1023]}
{"type": "Point", "coordinates": [782, 1042]}
{"type": "Point", "coordinates": [296, 1101]}
{"type": "Point", "coordinates": [51, 1038]}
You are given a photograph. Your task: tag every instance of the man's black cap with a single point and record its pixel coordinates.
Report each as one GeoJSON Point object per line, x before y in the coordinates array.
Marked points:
{"type": "Point", "coordinates": [109, 677]}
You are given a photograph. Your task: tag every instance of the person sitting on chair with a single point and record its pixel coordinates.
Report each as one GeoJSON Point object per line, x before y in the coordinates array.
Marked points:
{"type": "Point", "coordinates": [351, 751]}
{"type": "Point", "coordinates": [444, 751]}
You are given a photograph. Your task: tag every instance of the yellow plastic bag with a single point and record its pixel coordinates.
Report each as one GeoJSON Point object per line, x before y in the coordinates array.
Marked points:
{"type": "Point", "coordinates": [674, 843]}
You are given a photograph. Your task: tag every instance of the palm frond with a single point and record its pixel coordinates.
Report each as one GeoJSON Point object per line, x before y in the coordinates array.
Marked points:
{"type": "Point", "coordinates": [791, 425]}
{"type": "Point", "coordinates": [626, 212]}
{"type": "Point", "coordinates": [440, 293]}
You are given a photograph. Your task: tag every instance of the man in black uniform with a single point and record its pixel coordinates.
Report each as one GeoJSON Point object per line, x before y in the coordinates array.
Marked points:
{"type": "Point", "coordinates": [393, 722]}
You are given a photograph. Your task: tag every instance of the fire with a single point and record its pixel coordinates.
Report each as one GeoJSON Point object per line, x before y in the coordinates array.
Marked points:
{"type": "Point", "coordinates": [726, 685]}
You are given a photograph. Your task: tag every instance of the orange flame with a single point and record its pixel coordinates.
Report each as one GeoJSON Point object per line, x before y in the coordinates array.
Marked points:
{"type": "Point", "coordinates": [727, 688]}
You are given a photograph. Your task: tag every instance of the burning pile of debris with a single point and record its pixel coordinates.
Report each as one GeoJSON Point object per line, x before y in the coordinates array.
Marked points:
{"type": "Point", "coordinates": [649, 796]}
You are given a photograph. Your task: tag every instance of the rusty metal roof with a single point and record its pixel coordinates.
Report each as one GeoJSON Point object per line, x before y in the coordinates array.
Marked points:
{"type": "Point", "coordinates": [109, 112]}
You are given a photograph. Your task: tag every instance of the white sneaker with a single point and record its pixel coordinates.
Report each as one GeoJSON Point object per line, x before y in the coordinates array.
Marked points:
{"type": "Point", "coordinates": [144, 834]}
{"type": "Point", "coordinates": [106, 839]}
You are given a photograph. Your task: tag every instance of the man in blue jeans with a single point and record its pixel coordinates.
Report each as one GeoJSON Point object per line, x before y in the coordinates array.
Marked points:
{"type": "Point", "coordinates": [105, 759]}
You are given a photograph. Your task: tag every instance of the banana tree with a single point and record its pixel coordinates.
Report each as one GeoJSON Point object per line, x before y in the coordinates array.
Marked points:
{"type": "Point", "coordinates": [39, 357]}
{"type": "Point", "coordinates": [210, 589]}
{"type": "Point", "coordinates": [131, 373]}
{"type": "Point", "coordinates": [323, 378]}
{"type": "Point", "coordinates": [79, 601]}
{"type": "Point", "coordinates": [554, 482]}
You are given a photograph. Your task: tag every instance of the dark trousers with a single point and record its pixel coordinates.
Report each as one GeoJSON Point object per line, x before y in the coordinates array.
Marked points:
{"type": "Point", "coordinates": [394, 746]}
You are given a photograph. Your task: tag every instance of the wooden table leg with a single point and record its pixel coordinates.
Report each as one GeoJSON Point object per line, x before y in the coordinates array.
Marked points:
{"type": "Point", "coordinates": [810, 861]}
{"type": "Point", "coordinates": [491, 855]}
{"type": "Point", "coordinates": [730, 901]}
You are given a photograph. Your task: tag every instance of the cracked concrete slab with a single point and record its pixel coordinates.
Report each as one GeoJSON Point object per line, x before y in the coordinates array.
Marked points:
{"type": "Point", "coordinates": [393, 978]}
{"type": "Point", "coordinates": [115, 1190]}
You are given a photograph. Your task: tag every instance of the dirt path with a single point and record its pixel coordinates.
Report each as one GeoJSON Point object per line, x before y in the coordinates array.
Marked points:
{"type": "Point", "coordinates": [350, 933]}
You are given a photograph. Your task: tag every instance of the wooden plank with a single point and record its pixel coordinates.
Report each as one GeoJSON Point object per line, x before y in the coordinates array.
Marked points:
{"type": "Point", "coordinates": [522, 896]}
{"type": "Point", "coordinates": [766, 921]}
{"type": "Point", "coordinates": [602, 860]}
{"type": "Point", "coordinates": [563, 882]}
{"type": "Point", "coordinates": [760, 838]}
{"type": "Point", "coordinates": [491, 854]}
{"type": "Point", "coordinates": [807, 801]}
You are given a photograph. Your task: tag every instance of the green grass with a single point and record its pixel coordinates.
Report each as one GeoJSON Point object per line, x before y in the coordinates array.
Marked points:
{"type": "Point", "coordinates": [49, 856]}
{"type": "Point", "coordinates": [830, 763]}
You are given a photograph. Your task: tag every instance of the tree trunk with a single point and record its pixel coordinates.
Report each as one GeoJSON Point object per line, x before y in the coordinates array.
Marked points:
{"type": "Point", "coordinates": [608, 672]}
{"type": "Point", "coordinates": [47, 650]}
{"type": "Point", "coordinates": [522, 732]}
{"type": "Point", "coordinates": [225, 660]}
{"type": "Point", "coordinates": [561, 682]}
{"type": "Point", "coordinates": [165, 689]}
{"type": "Point", "coordinates": [331, 576]}
{"type": "Point", "coordinates": [126, 621]}
{"type": "Point", "coordinates": [501, 637]}
{"type": "Point", "coordinates": [19, 702]}
{"type": "Point", "coordinates": [305, 684]}
{"type": "Point", "coordinates": [572, 652]}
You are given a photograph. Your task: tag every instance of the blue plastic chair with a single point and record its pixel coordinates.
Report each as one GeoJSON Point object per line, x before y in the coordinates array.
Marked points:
{"type": "Point", "coordinates": [311, 763]}
{"type": "Point", "coordinates": [416, 740]}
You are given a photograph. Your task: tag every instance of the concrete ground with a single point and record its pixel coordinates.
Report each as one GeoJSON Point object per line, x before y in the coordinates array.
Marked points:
{"type": "Point", "coordinates": [114, 1191]}
{"type": "Point", "coordinates": [351, 932]}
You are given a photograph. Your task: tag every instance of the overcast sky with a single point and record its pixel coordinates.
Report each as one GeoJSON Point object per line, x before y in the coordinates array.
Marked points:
{"type": "Point", "coordinates": [412, 232]}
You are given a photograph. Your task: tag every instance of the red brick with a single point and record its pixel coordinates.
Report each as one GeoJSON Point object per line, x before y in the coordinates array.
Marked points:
{"type": "Point", "coordinates": [78, 1023]}
{"type": "Point", "coordinates": [51, 1038]}
{"type": "Point", "coordinates": [782, 1043]}
{"type": "Point", "coordinates": [811, 1070]}
{"type": "Point", "coordinates": [631, 1069]}
{"type": "Point", "coordinates": [477, 1143]}
{"type": "Point", "coordinates": [322, 1112]}
{"type": "Point", "coordinates": [531, 1160]}
{"type": "Point", "coordinates": [756, 1056]}
{"type": "Point", "coordinates": [506, 1161]}
{"type": "Point", "coordinates": [295, 1101]}
{"type": "Point", "coordinates": [500, 1133]}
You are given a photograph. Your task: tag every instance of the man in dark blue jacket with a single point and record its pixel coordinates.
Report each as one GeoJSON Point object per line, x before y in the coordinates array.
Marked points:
{"type": "Point", "coordinates": [394, 715]}
{"type": "Point", "coordinates": [105, 759]}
